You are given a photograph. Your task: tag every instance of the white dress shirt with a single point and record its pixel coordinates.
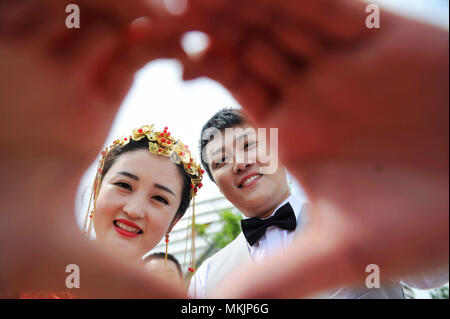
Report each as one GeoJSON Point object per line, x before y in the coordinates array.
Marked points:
{"type": "Point", "coordinates": [270, 243]}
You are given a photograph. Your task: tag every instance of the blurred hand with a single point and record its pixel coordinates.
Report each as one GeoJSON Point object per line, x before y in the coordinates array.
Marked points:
{"type": "Point", "coordinates": [363, 125]}
{"type": "Point", "coordinates": [67, 84]}
{"type": "Point", "coordinates": [60, 89]}
{"type": "Point", "coordinates": [359, 127]}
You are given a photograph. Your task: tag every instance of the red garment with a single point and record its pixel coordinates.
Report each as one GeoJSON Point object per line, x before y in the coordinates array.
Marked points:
{"type": "Point", "coordinates": [47, 295]}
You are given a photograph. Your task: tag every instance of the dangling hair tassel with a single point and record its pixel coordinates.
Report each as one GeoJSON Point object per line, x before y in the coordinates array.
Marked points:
{"type": "Point", "coordinates": [167, 249]}
{"type": "Point", "coordinates": [88, 220]}
{"type": "Point", "coordinates": [192, 268]}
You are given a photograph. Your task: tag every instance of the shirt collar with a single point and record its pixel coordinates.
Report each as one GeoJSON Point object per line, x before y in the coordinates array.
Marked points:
{"type": "Point", "coordinates": [296, 202]}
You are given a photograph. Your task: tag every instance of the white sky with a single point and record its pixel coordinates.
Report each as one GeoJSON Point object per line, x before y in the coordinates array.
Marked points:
{"type": "Point", "coordinates": [159, 96]}
{"type": "Point", "coordinates": [432, 11]}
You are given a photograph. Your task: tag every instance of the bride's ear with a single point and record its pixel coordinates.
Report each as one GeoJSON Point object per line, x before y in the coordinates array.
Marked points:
{"type": "Point", "coordinates": [174, 222]}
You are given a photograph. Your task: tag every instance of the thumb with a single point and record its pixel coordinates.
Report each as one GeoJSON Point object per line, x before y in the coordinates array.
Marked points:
{"type": "Point", "coordinates": [312, 265]}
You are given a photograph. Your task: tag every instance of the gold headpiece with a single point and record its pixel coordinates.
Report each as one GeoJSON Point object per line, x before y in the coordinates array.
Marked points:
{"type": "Point", "coordinates": [160, 143]}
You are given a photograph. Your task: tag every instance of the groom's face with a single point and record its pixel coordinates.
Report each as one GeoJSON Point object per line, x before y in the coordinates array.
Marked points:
{"type": "Point", "coordinates": [238, 159]}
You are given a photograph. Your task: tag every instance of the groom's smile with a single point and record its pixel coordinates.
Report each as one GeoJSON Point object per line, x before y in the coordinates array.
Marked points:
{"type": "Point", "coordinates": [249, 180]}
{"type": "Point", "coordinates": [235, 166]}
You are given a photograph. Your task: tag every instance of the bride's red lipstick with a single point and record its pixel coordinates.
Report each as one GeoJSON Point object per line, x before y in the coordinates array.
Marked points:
{"type": "Point", "coordinates": [124, 232]}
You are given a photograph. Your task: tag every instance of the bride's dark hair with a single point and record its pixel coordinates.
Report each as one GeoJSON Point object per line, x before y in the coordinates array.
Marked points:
{"type": "Point", "coordinates": [133, 145]}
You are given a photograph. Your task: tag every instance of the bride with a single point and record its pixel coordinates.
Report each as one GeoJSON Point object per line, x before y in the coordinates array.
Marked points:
{"type": "Point", "coordinates": [143, 186]}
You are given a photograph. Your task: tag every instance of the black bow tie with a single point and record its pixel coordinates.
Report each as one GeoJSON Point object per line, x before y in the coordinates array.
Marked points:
{"type": "Point", "coordinates": [255, 228]}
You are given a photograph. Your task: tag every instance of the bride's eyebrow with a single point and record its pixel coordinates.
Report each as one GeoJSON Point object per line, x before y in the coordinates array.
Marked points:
{"type": "Point", "coordinates": [136, 178]}
{"type": "Point", "coordinates": [127, 174]}
{"type": "Point", "coordinates": [164, 188]}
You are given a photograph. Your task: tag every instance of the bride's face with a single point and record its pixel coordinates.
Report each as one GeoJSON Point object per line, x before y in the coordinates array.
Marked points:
{"type": "Point", "coordinates": [138, 199]}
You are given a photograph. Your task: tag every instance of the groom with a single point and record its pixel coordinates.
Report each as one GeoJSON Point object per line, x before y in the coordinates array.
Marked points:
{"type": "Point", "coordinates": [274, 215]}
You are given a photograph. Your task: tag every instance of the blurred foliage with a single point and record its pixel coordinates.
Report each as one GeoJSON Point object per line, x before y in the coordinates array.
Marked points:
{"type": "Point", "coordinates": [231, 228]}
{"type": "Point", "coordinates": [439, 293]}
{"type": "Point", "coordinates": [201, 229]}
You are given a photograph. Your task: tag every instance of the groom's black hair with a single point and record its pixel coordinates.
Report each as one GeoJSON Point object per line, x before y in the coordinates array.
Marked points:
{"type": "Point", "coordinates": [223, 119]}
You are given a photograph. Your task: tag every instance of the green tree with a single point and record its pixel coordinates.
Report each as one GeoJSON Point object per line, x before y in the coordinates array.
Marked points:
{"type": "Point", "coordinates": [230, 230]}
{"type": "Point", "coordinates": [439, 293]}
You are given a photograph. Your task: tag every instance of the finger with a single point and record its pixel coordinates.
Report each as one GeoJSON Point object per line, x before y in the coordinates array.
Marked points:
{"type": "Point", "coordinates": [335, 249]}
{"type": "Point", "coordinates": [297, 42]}
{"type": "Point", "coordinates": [18, 19]}
{"type": "Point", "coordinates": [265, 62]}
{"type": "Point", "coordinates": [209, 6]}
{"type": "Point", "coordinates": [30, 21]}
{"type": "Point", "coordinates": [248, 14]}
{"type": "Point", "coordinates": [102, 67]}
{"type": "Point", "coordinates": [364, 233]}
{"type": "Point", "coordinates": [332, 21]}
{"type": "Point", "coordinates": [222, 65]}
{"type": "Point", "coordinates": [100, 275]}
{"type": "Point", "coordinates": [28, 16]}
{"type": "Point", "coordinates": [152, 39]}
{"type": "Point", "coordinates": [217, 62]}
{"type": "Point", "coordinates": [314, 264]}
{"type": "Point", "coordinates": [338, 20]}
{"type": "Point", "coordinates": [125, 12]}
